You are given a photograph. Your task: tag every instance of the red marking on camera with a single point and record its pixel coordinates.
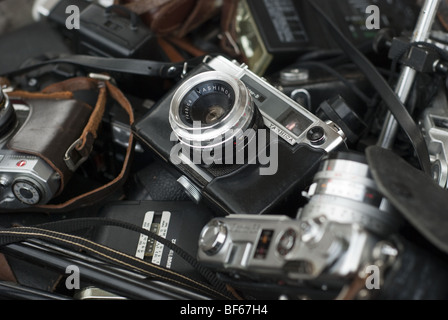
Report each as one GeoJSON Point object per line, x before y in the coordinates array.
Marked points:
{"type": "Point", "coordinates": [21, 163]}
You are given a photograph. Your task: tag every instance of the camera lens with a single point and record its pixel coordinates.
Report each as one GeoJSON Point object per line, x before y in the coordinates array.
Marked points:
{"type": "Point", "coordinates": [212, 109]}
{"type": "Point", "coordinates": [345, 192]}
{"type": "Point", "coordinates": [208, 102]}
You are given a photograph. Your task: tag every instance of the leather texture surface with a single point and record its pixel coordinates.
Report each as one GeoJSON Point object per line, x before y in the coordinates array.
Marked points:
{"type": "Point", "coordinates": [50, 129]}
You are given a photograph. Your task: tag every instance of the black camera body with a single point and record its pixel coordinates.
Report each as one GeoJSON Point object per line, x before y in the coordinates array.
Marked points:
{"type": "Point", "coordinates": [224, 97]}
{"type": "Point", "coordinates": [108, 32]}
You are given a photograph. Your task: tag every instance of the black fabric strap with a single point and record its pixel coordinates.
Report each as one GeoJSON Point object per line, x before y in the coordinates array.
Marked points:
{"type": "Point", "coordinates": [52, 232]}
{"type": "Point", "coordinates": [72, 225]}
{"type": "Point", "coordinates": [391, 100]}
{"type": "Point", "coordinates": [122, 65]}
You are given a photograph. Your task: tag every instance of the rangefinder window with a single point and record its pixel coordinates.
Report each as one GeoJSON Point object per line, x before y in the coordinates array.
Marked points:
{"type": "Point", "coordinates": [294, 122]}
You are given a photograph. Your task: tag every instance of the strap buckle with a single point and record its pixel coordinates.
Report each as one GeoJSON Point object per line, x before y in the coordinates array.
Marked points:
{"type": "Point", "coordinates": [70, 158]}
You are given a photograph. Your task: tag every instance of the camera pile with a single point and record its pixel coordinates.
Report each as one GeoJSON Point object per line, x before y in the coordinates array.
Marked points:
{"type": "Point", "coordinates": [293, 153]}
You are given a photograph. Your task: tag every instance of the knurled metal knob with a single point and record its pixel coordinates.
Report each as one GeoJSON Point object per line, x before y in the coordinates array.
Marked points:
{"type": "Point", "coordinates": [213, 237]}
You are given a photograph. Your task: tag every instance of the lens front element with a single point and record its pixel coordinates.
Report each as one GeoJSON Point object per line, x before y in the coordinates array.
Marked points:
{"type": "Point", "coordinates": [208, 102]}
{"type": "Point", "coordinates": [211, 109]}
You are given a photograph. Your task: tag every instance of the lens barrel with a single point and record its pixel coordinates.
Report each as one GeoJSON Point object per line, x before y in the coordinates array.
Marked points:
{"type": "Point", "coordinates": [344, 191]}
{"type": "Point", "coordinates": [213, 110]}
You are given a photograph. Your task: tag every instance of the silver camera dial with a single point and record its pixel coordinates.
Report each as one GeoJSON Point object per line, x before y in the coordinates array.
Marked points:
{"type": "Point", "coordinates": [27, 192]}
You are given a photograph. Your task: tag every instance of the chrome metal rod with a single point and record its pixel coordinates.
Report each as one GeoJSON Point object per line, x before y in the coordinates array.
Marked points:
{"type": "Point", "coordinates": [407, 75]}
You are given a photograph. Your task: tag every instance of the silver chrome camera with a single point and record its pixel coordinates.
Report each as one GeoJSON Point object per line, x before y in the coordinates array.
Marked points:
{"type": "Point", "coordinates": [231, 134]}
{"type": "Point", "coordinates": [25, 179]}
{"type": "Point", "coordinates": [342, 229]}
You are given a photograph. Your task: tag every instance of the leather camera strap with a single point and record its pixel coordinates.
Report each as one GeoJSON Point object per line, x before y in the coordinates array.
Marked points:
{"type": "Point", "coordinates": [102, 192]}
{"type": "Point", "coordinates": [50, 234]}
{"type": "Point", "coordinates": [84, 144]}
{"type": "Point", "coordinates": [383, 88]}
{"type": "Point", "coordinates": [228, 41]}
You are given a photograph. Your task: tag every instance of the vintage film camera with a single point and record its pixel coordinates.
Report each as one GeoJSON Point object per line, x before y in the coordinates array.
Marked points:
{"type": "Point", "coordinates": [110, 32]}
{"type": "Point", "coordinates": [343, 228]}
{"type": "Point", "coordinates": [212, 109]}
{"type": "Point", "coordinates": [25, 179]}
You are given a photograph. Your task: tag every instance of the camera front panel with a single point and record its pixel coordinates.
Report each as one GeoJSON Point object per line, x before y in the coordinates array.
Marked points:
{"type": "Point", "coordinates": [255, 185]}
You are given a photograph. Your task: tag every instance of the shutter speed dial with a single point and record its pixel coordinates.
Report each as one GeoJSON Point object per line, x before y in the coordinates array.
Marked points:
{"type": "Point", "coordinates": [27, 192]}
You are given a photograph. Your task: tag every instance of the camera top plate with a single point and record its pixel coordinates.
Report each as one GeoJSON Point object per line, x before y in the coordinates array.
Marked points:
{"type": "Point", "coordinates": [288, 119]}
